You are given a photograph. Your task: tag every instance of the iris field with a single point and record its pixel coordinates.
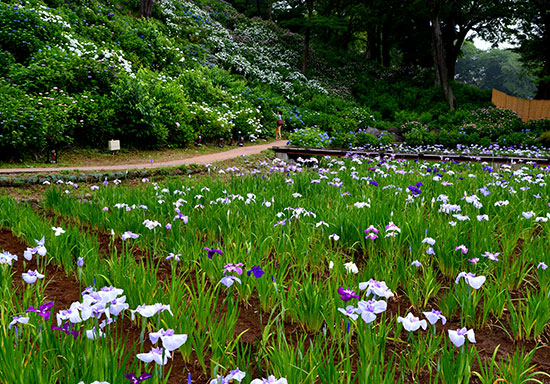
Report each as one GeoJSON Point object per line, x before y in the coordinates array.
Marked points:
{"type": "Point", "coordinates": [348, 270]}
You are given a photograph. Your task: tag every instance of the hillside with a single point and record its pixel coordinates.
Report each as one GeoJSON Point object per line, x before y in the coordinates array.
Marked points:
{"type": "Point", "coordinates": [81, 74]}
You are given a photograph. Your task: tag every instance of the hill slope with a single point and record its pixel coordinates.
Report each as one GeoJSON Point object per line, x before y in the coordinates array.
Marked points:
{"type": "Point", "coordinates": [81, 74]}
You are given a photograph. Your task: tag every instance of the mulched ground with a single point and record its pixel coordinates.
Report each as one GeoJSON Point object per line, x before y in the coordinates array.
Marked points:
{"type": "Point", "coordinates": [64, 290]}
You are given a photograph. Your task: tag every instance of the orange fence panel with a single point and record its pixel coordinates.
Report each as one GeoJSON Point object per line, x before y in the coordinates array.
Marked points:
{"type": "Point", "coordinates": [526, 109]}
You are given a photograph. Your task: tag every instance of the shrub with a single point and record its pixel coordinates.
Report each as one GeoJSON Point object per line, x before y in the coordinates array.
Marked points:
{"type": "Point", "coordinates": [333, 124]}
{"type": "Point", "coordinates": [544, 139]}
{"type": "Point", "coordinates": [448, 139]}
{"type": "Point", "coordinates": [538, 126]}
{"type": "Point", "coordinates": [452, 119]}
{"type": "Point", "coordinates": [401, 117]}
{"type": "Point", "coordinates": [385, 138]}
{"type": "Point", "coordinates": [495, 122]}
{"type": "Point", "coordinates": [139, 113]}
{"type": "Point", "coordinates": [30, 124]}
{"type": "Point", "coordinates": [309, 137]}
{"type": "Point", "coordinates": [363, 138]}
{"type": "Point", "coordinates": [24, 31]}
{"type": "Point", "coordinates": [419, 135]}
{"type": "Point", "coordinates": [6, 61]}
{"type": "Point", "coordinates": [468, 138]}
{"type": "Point", "coordinates": [65, 70]}
{"type": "Point", "coordinates": [342, 139]}
{"type": "Point", "coordinates": [408, 126]}
{"type": "Point", "coordinates": [468, 98]}
{"type": "Point", "coordinates": [93, 120]}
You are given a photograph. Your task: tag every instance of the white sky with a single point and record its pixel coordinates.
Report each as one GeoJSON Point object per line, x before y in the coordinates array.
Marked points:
{"type": "Point", "coordinates": [485, 45]}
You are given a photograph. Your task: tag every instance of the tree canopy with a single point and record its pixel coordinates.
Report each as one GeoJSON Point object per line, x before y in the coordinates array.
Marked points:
{"type": "Point", "coordinates": [391, 32]}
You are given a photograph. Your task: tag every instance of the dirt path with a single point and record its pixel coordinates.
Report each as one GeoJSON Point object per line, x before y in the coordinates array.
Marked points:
{"type": "Point", "coordinates": [203, 159]}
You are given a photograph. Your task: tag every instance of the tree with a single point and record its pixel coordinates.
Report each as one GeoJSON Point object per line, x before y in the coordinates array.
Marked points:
{"type": "Point", "coordinates": [146, 8]}
{"type": "Point", "coordinates": [307, 35]}
{"type": "Point", "coordinates": [489, 18]}
{"type": "Point", "coordinates": [440, 64]}
{"type": "Point", "coordinates": [496, 68]}
{"type": "Point", "coordinates": [534, 37]}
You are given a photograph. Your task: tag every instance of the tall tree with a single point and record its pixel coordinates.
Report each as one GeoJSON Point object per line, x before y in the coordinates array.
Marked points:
{"type": "Point", "coordinates": [307, 36]}
{"type": "Point", "coordinates": [440, 63]}
{"type": "Point", "coordinates": [146, 8]}
{"type": "Point", "coordinates": [489, 18]}
{"type": "Point", "coordinates": [495, 68]}
{"type": "Point", "coordinates": [534, 37]}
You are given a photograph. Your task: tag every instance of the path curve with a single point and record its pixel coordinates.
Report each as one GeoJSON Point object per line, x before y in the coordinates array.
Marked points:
{"type": "Point", "coordinates": [202, 159]}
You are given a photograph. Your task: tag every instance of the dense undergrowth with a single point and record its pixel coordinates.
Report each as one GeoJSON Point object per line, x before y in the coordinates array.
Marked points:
{"type": "Point", "coordinates": [79, 74]}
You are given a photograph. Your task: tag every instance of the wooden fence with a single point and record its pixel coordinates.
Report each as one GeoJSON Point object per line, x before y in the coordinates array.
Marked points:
{"type": "Point", "coordinates": [526, 109]}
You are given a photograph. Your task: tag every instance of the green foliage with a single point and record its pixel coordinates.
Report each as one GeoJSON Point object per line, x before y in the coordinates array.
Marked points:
{"type": "Point", "coordinates": [363, 138]}
{"type": "Point", "coordinates": [309, 137]}
{"type": "Point", "coordinates": [56, 68]}
{"type": "Point", "coordinates": [153, 113]}
{"type": "Point", "coordinates": [25, 31]}
{"type": "Point", "coordinates": [544, 139]}
{"type": "Point", "coordinates": [385, 138]}
{"type": "Point", "coordinates": [409, 126]}
{"type": "Point", "coordinates": [139, 112]}
{"type": "Point", "coordinates": [342, 139]}
{"type": "Point", "coordinates": [495, 122]}
{"type": "Point", "coordinates": [538, 126]}
{"type": "Point", "coordinates": [29, 124]}
{"type": "Point", "coordinates": [496, 68]}
{"type": "Point", "coordinates": [419, 135]}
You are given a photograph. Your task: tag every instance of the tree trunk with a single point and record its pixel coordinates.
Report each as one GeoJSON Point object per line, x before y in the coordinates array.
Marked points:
{"type": "Point", "coordinates": [543, 87]}
{"type": "Point", "coordinates": [378, 44]}
{"type": "Point", "coordinates": [145, 8]}
{"type": "Point", "coordinates": [386, 43]}
{"type": "Point", "coordinates": [452, 52]}
{"type": "Point", "coordinates": [307, 35]}
{"type": "Point", "coordinates": [370, 53]}
{"type": "Point", "coordinates": [258, 9]}
{"type": "Point", "coordinates": [440, 65]}
{"type": "Point", "coordinates": [270, 10]}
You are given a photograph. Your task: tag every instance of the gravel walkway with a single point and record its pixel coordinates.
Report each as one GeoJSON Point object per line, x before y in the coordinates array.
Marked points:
{"type": "Point", "coordinates": [203, 159]}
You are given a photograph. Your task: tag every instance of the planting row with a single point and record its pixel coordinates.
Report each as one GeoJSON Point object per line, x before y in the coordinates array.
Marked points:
{"type": "Point", "coordinates": [327, 271]}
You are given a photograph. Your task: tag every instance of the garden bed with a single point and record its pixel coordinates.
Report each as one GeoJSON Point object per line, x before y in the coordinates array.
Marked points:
{"type": "Point", "coordinates": [418, 226]}
{"type": "Point", "coordinates": [293, 153]}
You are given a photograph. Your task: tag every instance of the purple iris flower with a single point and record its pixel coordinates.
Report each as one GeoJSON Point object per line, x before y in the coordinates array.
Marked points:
{"type": "Point", "coordinates": [137, 380]}
{"type": "Point", "coordinates": [373, 182]}
{"type": "Point", "coordinates": [229, 268]}
{"type": "Point", "coordinates": [67, 329]}
{"type": "Point", "coordinates": [43, 310]}
{"type": "Point", "coordinates": [213, 251]}
{"type": "Point", "coordinates": [181, 217]}
{"type": "Point", "coordinates": [129, 235]}
{"type": "Point", "coordinates": [471, 279]}
{"type": "Point", "coordinates": [459, 336]}
{"type": "Point", "coordinates": [347, 294]}
{"type": "Point", "coordinates": [434, 316]}
{"type": "Point", "coordinates": [414, 190]}
{"type": "Point", "coordinates": [229, 280]}
{"type": "Point", "coordinates": [256, 270]}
